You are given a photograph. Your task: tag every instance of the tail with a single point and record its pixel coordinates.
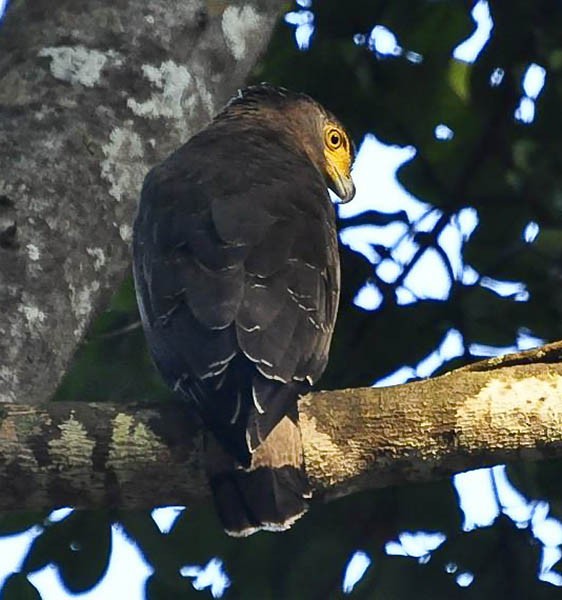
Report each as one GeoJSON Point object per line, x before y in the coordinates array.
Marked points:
{"type": "Point", "coordinates": [271, 493]}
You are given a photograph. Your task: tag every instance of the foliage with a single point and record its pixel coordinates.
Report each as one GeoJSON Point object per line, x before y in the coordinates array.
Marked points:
{"type": "Point", "coordinates": [511, 173]}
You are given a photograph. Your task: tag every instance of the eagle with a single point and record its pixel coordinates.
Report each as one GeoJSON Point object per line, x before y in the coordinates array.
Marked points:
{"type": "Point", "coordinates": [236, 268]}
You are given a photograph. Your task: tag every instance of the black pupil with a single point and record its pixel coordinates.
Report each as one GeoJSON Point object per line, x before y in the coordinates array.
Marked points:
{"type": "Point", "coordinates": [335, 139]}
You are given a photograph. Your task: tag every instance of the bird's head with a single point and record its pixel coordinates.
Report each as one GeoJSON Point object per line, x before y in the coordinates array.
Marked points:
{"type": "Point", "coordinates": [339, 153]}
{"type": "Point", "coordinates": [305, 124]}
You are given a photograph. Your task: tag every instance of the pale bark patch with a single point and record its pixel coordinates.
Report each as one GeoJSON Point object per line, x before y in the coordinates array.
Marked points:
{"type": "Point", "coordinates": [73, 449]}
{"type": "Point", "coordinates": [320, 448]}
{"type": "Point", "coordinates": [172, 81]}
{"type": "Point", "coordinates": [78, 64]}
{"type": "Point", "coordinates": [238, 24]}
{"type": "Point", "coordinates": [130, 442]}
{"type": "Point", "coordinates": [123, 167]}
{"type": "Point", "coordinates": [529, 408]}
{"type": "Point", "coordinates": [98, 255]}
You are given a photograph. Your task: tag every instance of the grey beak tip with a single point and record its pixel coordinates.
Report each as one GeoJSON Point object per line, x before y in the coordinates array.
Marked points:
{"type": "Point", "coordinates": [348, 192]}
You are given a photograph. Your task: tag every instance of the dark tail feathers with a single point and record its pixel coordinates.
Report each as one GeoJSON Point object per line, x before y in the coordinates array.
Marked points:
{"type": "Point", "coordinates": [265, 498]}
{"type": "Point", "coordinates": [270, 493]}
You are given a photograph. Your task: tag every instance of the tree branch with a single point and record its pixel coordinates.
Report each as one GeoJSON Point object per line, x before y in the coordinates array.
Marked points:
{"type": "Point", "coordinates": [93, 455]}
{"type": "Point", "coordinates": [92, 94]}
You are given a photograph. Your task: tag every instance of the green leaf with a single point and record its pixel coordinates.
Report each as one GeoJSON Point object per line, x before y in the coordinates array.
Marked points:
{"type": "Point", "coordinates": [459, 78]}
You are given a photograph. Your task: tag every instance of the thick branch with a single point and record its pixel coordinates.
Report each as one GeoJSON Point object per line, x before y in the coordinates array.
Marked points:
{"type": "Point", "coordinates": [92, 94]}
{"type": "Point", "coordinates": [102, 455]}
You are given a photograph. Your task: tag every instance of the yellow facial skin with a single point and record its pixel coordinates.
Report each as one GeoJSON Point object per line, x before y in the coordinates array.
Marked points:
{"type": "Point", "coordinates": [338, 156]}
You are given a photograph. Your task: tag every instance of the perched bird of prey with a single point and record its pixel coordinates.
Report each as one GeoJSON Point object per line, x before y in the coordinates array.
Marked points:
{"type": "Point", "coordinates": [237, 276]}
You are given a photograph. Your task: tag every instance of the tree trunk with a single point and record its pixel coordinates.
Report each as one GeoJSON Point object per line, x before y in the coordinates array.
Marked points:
{"type": "Point", "coordinates": [92, 94]}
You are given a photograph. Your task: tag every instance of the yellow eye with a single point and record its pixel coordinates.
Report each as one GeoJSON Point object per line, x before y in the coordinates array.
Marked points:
{"type": "Point", "coordinates": [334, 139]}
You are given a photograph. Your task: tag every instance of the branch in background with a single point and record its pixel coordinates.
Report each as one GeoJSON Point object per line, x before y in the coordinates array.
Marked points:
{"type": "Point", "coordinates": [92, 94]}
{"type": "Point", "coordinates": [96, 455]}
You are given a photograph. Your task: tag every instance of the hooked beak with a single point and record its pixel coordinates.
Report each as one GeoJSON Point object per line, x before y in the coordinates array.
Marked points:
{"type": "Point", "coordinates": [343, 187]}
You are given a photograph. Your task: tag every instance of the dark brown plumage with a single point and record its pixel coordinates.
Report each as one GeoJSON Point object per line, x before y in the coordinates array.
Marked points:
{"type": "Point", "coordinates": [237, 276]}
